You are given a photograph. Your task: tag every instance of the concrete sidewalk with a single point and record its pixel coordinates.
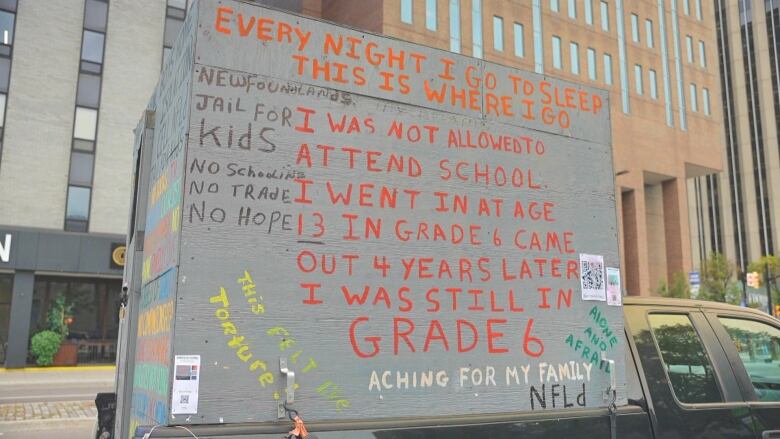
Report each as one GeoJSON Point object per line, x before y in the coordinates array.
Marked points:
{"type": "Point", "coordinates": [52, 388]}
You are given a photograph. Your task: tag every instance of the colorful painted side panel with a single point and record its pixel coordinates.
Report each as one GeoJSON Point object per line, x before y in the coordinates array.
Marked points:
{"type": "Point", "coordinates": [153, 352]}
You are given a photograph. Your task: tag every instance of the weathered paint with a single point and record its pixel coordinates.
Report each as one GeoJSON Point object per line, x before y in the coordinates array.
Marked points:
{"type": "Point", "coordinates": [251, 283]}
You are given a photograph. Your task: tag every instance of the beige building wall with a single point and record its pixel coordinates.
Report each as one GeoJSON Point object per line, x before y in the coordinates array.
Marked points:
{"type": "Point", "coordinates": [39, 125]}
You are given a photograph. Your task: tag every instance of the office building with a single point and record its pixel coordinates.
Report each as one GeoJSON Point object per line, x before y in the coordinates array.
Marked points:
{"type": "Point", "coordinates": [657, 58]}
{"type": "Point", "coordinates": [738, 211]}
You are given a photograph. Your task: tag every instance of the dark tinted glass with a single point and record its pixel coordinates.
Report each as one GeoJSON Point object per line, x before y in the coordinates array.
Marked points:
{"type": "Point", "coordinates": [81, 168]}
{"type": "Point", "coordinates": [91, 67]}
{"type": "Point", "coordinates": [7, 27]}
{"type": "Point", "coordinates": [176, 13]}
{"type": "Point", "coordinates": [92, 47]}
{"type": "Point", "coordinates": [95, 15]}
{"type": "Point", "coordinates": [83, 145]}
{"type": "Point", "coordinates": [172, 28]}
{"type": "Point", "coordinates": [89, 90]}
{"type": "Point", "coordinates": [5, 73]}
{"type": "Point", "coordinates": [687, 364]}
{"type": "Point", "coordinates": [758, 346]}
{"type": "Point", "coordinates": [76, 225]}
{"type": "Point", "coordinates": [8, 4]}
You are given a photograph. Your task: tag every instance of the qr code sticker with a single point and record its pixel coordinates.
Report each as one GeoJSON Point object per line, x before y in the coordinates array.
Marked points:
{"type": "Point", "coordinates": [185, 399]}
{"type": "Point", "coordinates": [592, 273]}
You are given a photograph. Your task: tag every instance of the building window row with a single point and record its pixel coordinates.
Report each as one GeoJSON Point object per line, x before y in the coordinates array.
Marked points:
{"type": "Point", "coordinates": [691, 54]}
{"type": "Point", "coordinates": [591, 58]}
{"type": "Point", "coordinates": [571, 10]}
{"type": "Point", "coordinates": [636, 31]}
{"type": "Point", "coordinates": [697, 8]}
{"type": "Point", "coordinates": [518, 39]}
{"type": "Point", "coordinates": [7, 27]}
{"type": "Point", "coordinates": [85, 121]}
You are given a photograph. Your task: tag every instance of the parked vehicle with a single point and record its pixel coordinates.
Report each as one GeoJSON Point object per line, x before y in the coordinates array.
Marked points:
{"type": "Point", "coordinates": [694, 369]}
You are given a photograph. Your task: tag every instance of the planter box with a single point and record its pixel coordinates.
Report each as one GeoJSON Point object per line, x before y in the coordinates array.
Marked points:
{"type": "Point", "coordinates": [67, 355]}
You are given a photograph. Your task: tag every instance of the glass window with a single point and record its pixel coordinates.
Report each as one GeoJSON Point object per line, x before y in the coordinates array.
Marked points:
{"type": "Point", "coordinates": [519, 40]}
{"type": "Point", "coordinates": [172, 28]}
{"type": "Point", "coordinates": [604, 16]}
{"type": "Point", "coordinates": [574, 57]}
{"type": "Point", "coordinates": [689, 47]}
{"type": "Point", "coordinates": [86, 123]}
{"type": "Point", "coordinates": [684, 358]}
{"type": "Point", "coordinates": [608, 69]}
{"type": "Point", "coordinates": [638, 79]}
{"type": "Point", "coordinates": [705, 95]}
{"type": "Point", "coordinates": [591, 63]}
{"type": "Point", "coordinates": [81, 168]}
{"type": "Point", "coordinates": [7, 27]}
{"type": "Point", "coordinates": [430, 15]}
{"type": "Point", "coordinates": [554, 6]}
{"type": "Point", "coordinates": [694, 98]}
{"type": "Point", "coordinates": [5, 73]}
{"type": "Point", "coordinates": [2, 109]}
{"type": "Point", "coordinates": [91, 67]}
{"type": "Point", "coordinates": [686, 7]}
{"type": "Point", "coordinates": [588, 11]}
{"type": "Point", "coordinates": [498, 33]}
{"type": "Point", "coordinates": [406, 11]}
{"type": "Point", "coordinates": [653, 83]}
{"type": "Point", "coordinates": [176, 13]}
{"type": "Point", "coordinates": [95, 14]}
{"type": "Point", "coordinates": [455, 26]}
{"type": "Point", "coordinates": [758, 346]}
{"type": "Point", "coordinates": [78, 203]}
{"type": "Point", "coordinates": [9, 5]}
{"type": "Point", "coordinates": [476, 27]}
{"type": "Point", "coordinates": [702, 55]}
{"type": "Point", "coordinates": [572, 9]}
{"type": "Point", "coordinates": [649, 33]}
{"type": "Point", "coordinates": [556, 52]}
{"type": "Point", "coordinates": [698, 10]}
{"type": "Point", "coordinates": [181, 4]}
{"type": "Point", "coordinates": [83, 145]}
{"type": "Point", "coordinates": [634, 28]}
{"type": "Point", "coordinates": [88, 90]}
{"type": "Point", "coordinates": [92, 47]}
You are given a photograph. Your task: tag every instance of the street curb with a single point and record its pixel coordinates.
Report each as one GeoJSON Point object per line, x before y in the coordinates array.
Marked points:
{"type": "Point", "coordinates": [58, 369]}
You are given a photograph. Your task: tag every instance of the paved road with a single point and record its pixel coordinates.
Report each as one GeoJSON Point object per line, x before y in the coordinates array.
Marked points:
{"type": "Point", "coordinates": [65, 386]}
{"type": "Point", "coordinates": [29, 406]}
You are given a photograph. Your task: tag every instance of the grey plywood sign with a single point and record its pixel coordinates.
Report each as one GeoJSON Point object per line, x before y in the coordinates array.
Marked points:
{"type": "Point", "coordinates": [403, 225]}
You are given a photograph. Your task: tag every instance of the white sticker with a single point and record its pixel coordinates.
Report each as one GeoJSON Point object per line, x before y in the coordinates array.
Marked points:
{"type": "Point", "coordinates": [186, 378]}
{"type": "Point", "coordinates": [614, 295]}
{"type": "Point", "coordinates": [592, 277]}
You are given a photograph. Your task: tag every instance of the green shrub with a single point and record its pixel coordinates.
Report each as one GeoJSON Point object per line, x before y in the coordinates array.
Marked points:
{"type": "Point", "coordinates": [45, 345]}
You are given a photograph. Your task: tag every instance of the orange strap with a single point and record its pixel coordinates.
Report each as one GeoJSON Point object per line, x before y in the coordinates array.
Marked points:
{"type": "Point", "coordinates": [300, 429]}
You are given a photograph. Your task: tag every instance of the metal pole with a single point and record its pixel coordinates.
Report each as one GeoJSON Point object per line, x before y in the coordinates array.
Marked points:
{"type": "Point", "coordinates": [768, 288]}
{"type": "Point", "coordinates": [742, 277]}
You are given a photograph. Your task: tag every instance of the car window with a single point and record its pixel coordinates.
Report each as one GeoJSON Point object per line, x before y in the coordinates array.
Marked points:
{"type": "Point", "coordinates": [758, 345]}
{"type": "Point", "coordinates": [685, 359]}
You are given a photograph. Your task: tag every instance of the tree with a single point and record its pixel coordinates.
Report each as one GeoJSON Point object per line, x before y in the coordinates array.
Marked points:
{"type": "Point", "coordinates": [678, 287]}
{"type": "Point", "coordinates": [716, 280]}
